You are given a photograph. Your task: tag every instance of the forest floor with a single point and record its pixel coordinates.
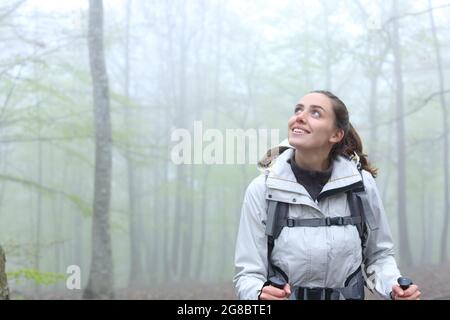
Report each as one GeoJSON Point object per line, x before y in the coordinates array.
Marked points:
{"type": "Point", "coordinates": [433, 280]}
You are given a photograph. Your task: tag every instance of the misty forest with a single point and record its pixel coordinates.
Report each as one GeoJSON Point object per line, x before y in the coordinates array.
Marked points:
{"type": "Point", "coordinates": [91, 93]}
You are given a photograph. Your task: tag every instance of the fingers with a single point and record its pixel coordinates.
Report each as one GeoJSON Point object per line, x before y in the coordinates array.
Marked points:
{"type": "Point", "coordinates": [412, 289]}
{"type": "Point", "coordinates": [412, 293]}
{"type": "Point", "coordinates": [266, 296]}
{"type": "Point", "coordinates": [287, 289]}
{"type": "Point", "coordinates": [397, 291]}
{"type": "Point", "coordinates": [414, 296]}
{"type": "Point", "coordinates": [273, 293]}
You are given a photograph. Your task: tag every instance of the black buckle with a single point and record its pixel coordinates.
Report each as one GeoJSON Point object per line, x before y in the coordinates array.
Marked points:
{"type": "Point", "coordinates": [335, 221]}
{"type": "Point", "coordinates": [315, 294]}
{"type": "Point", "coordinates": [339, 221]}
{"type": "Point", "coordinates": [290, 223]}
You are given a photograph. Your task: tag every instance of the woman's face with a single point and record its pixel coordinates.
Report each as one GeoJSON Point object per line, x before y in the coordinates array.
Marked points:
{"type": "Point", "coordinates": [312, 126]}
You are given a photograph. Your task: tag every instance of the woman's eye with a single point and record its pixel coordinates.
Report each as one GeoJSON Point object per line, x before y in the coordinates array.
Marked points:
{"type": "Point", "coordinates": [315, 114]}
{"type": "Point", "coordinates": [297, 110]}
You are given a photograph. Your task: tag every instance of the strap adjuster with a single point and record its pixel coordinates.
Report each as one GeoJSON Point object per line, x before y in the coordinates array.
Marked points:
{"type": "Point", "coordinates": [304, 293]}
{"type": "Point", "coordinates": [339, 220]}
{"type": "Point", "coordinates": [315, 294]}
{"type": "Point", "coordinates": [290, 223]}
{"type": "Point", "coordinates": [334, 221]}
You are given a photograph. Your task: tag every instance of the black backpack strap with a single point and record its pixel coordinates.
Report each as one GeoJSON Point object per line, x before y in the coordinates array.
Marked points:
{"type": "Point", "coordinates": [272, 270]}
{"type": "Point", "coordinates": [276, 213]}
{"type": "Point", "coordinates": [357, 208]}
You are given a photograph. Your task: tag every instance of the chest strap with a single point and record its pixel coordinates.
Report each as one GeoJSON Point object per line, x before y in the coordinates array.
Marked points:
{"type": "Point", "coordinates": [322, 222]}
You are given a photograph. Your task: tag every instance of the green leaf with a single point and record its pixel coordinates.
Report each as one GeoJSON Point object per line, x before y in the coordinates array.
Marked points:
{"type": "Point", "coordinates": [38, 277]}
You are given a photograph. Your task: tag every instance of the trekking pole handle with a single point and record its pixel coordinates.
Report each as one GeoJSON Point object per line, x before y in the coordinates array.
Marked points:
{"type": "Point", "coordinates": [404, 282]}
{"type": "Point", "coordinates": [277, 282]}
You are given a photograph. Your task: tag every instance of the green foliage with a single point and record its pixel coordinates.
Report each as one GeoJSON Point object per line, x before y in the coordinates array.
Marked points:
{"type": "Point", "coordinates": [80, 204]}
{"type": "Point", "coordinates": [76, 200]}
{"type": "Point", "coordinates": [37, 277]}
{"type": "Point", "coordinates": [48, 90]}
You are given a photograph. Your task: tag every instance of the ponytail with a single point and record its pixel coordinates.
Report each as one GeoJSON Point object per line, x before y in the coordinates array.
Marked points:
{"type": "Point", "coordinates": [351, 144]}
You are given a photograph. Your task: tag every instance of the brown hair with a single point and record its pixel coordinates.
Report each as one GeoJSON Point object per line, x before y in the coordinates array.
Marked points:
{"type": "Point", "coordinates": [351, 142]}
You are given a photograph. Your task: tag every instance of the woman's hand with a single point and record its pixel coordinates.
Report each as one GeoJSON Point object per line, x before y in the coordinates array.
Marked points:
{"type": "Point", "coordinates": [412, 293]}
{"type": "Point", "coordinates": [273, 293]}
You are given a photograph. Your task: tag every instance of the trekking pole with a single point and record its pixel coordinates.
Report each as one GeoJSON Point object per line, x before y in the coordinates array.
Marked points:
{"type": "Point", "coordinates": [404, 282]}
{"type": "Point", "coordinates": [277, 282]}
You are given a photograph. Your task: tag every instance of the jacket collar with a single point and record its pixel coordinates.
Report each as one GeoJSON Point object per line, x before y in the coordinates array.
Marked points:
{"type": "Point", "coordinates": [344, 176]}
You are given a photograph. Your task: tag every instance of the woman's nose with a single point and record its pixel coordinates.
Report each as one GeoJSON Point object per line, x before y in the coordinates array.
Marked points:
{"type": "Point", "coordinates": [300, 117]}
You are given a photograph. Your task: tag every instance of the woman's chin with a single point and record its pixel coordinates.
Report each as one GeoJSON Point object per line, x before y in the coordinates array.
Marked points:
{"type": "Point", "coordinates": [296, 143]}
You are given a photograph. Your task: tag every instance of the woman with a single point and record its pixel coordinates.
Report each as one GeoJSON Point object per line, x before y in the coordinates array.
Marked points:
{"type": "Point", "coordinates": [301, 234]}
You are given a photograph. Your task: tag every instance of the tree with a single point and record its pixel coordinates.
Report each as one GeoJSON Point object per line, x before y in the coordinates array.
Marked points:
{"type": "Point", "coordinates": [440, 68]}
{"type": "Point", "coordinates": [136, 269]}
{"type": "Point", "coordinates": [4, 291]}
{"type": "Point", "coordinates": [405, 251]}
{"type": "Point", "coordinates": [100, 284]}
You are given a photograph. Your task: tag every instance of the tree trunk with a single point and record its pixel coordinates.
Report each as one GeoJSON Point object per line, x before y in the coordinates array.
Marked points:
{"type": "Point", "coordinates": [4, 291]}
{"type": "Point", "coordinates": [3, 160]}
{"type": "Point", "coordinates": [188, 230]}
{"type": "Point", "coordinates": [100, 283]}
{"type": "Point", "coordinates": [375, 69]}
{"type": "Point", "coordinates": [39, 163]}
{"type": "Point", "coordinates": [426, 246]}
{"type": "Point", "coordinates": [135, 276]}
{"type": "Point", "coordinates": [165, 208]}
{"type": "Point", "coordinates": [37, 253]}
{"type": "Point", "coordinates": [328, 45]}
{"type": "Point", "coordinates": [76, 256]}
{"type": "Point", "coordinates": [405, 251]}
{"type": "Point", "coordinates": [373, 116]}
{"type": "Point", "coordinates": [164, 196]}
{"type": "Point", "coordinates": [437, 48]}
{"type": "Point", "coordinates": [180, 216]}
{"type": "Point", "coordinates": [154, 254]}
{"type": "Point", "coordinates": [202, 225]}
{"type": "Point", "coordinates": [57, 226]}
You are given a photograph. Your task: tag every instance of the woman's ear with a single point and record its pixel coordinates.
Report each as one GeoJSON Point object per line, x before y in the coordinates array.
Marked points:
{"type": "Point", "coordinates": [337, 136]}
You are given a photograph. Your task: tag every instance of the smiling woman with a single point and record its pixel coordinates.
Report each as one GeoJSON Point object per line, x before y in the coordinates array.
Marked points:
{"type": "Point", "coordinates": [322, 189]}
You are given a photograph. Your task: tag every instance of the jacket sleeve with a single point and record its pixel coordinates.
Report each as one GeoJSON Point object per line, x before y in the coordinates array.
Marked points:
{"type": "Point", "coordinates": [251, 244]}
{"type": "Point", "coordinates": [379, 261]}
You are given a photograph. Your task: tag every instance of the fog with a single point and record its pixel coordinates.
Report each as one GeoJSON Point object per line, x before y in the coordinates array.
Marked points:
{"type": "Point", "coordinates": [161, 90]}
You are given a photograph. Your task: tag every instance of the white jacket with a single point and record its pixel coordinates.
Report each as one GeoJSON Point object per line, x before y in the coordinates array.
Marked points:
{"type": "Point", "coordinates": [312, 256]}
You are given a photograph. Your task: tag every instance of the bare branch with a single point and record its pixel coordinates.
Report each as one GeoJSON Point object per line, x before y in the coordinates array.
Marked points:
{"type": "Point", "coordinates": [10, 10]}
{"type": "Point", "coordinates": [42, 139]}
{"type": "Point", "coordinates": [414, 13]}
{"type": "Point", "coordinates": [414, 110]}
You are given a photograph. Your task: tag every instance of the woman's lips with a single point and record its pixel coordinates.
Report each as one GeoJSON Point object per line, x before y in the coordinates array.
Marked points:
{"type": "Point", "coordinates": [299, 131]}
